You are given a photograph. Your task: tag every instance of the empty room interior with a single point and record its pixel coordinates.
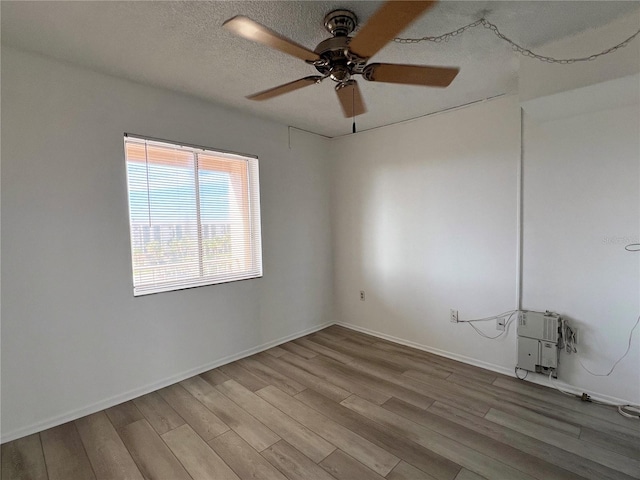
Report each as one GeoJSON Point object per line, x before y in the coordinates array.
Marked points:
{"type": "Point", "coordinates": [330, 240]}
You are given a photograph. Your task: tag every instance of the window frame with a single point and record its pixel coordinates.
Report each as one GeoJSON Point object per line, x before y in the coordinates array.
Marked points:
{"type": "Point", "coordinates": [250, 193]}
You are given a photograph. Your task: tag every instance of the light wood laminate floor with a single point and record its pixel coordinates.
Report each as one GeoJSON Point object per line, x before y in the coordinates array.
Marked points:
{"type": "Point", "coordinates": [341, 405]}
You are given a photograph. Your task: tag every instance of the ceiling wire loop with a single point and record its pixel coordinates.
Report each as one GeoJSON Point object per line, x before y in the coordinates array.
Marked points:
{"type": "Point", "coordinates": [517, 48]}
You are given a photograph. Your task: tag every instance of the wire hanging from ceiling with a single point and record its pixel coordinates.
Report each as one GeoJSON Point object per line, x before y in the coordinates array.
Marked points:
{"type": "Point", "coordinates": [518, 48]}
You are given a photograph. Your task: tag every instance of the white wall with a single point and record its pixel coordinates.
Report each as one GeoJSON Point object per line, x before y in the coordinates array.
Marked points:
{"type": "Point", "coordinates": [74, 339]}
{"type": "Point", "coordinates": [424, 221]}
{"type": "Point", "coordinates": [581, 207]}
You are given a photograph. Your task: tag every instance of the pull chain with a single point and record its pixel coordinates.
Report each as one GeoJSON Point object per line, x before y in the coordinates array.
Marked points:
{"type": "Point", "coordinates": [353, 108]}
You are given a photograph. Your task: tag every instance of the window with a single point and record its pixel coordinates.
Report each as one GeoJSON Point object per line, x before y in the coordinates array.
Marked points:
{"type": "Point", "coordinates": [194, 215]}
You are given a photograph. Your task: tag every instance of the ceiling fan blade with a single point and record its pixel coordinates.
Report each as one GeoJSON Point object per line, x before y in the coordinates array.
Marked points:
{"type": "Point", "coordinates": [251, 30]}
{"type": "Point", "coordinates": [350, 99]}
{"type": "Point", "coordinates": [410, 74]}
{"type": "Point", "coordinates": [385, 24]}
{"type": "Point", "coordinates": [285, 88]}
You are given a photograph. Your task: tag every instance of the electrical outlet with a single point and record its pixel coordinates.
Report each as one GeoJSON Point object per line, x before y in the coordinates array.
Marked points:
{"type": "Point", "coordinates": [500, 324]}
{"type": "Point", "coordinates": [362, 295]}
{"type": "Point", "coordinates": [453, 316]}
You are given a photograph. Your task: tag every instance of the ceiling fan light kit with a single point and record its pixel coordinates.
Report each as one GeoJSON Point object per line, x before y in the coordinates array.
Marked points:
{"type": "Point", "coordinates": [341, 56]}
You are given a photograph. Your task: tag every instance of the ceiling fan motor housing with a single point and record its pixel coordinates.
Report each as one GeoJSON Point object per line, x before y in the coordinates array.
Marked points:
{"type": "Point", "coordinates": [337, 61]}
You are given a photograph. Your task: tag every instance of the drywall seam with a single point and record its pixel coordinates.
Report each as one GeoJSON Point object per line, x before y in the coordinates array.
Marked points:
{"type": "Point", "coordinates": [533, 378]}
{"type": "Point", "coordinates": [131, 394]}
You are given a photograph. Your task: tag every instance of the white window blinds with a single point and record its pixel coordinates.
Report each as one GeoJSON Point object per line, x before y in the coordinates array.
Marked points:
{"type": "Point", "coordinates": [194, 216]}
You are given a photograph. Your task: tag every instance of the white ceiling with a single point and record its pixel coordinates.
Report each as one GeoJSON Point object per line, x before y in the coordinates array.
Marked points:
{"type": "Point", "coordinates": [181, 46]}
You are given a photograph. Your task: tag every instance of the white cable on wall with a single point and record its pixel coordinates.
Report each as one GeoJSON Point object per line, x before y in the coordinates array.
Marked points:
{"type": "Point", "coordinates": [507, 323]}
{"type": "Point", "coordinates": [568, 340]}
{"type": "Point", "coordinates": [617, 361]}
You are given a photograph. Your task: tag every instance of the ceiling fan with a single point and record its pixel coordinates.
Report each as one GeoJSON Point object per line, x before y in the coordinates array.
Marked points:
{"type": "Point", "coordinates": [340, 57]}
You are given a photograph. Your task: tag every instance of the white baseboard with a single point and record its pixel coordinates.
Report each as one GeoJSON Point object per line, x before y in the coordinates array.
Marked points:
{"type": "Point", "coordinates": [152, 387]}
{"type": "Point", "coordinates": [532, 377]}
{"type": "Point", "coordinates": [540, 379]}
{"type": "Point", "coordinates": [426, 348]}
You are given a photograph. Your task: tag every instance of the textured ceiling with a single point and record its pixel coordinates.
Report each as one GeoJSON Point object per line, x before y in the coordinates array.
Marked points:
{"type": "Point", "coordinates": [181, 46]}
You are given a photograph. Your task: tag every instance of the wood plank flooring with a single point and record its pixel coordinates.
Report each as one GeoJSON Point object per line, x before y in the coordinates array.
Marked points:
{"type": "Point", "coordinates": [338, 405]}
